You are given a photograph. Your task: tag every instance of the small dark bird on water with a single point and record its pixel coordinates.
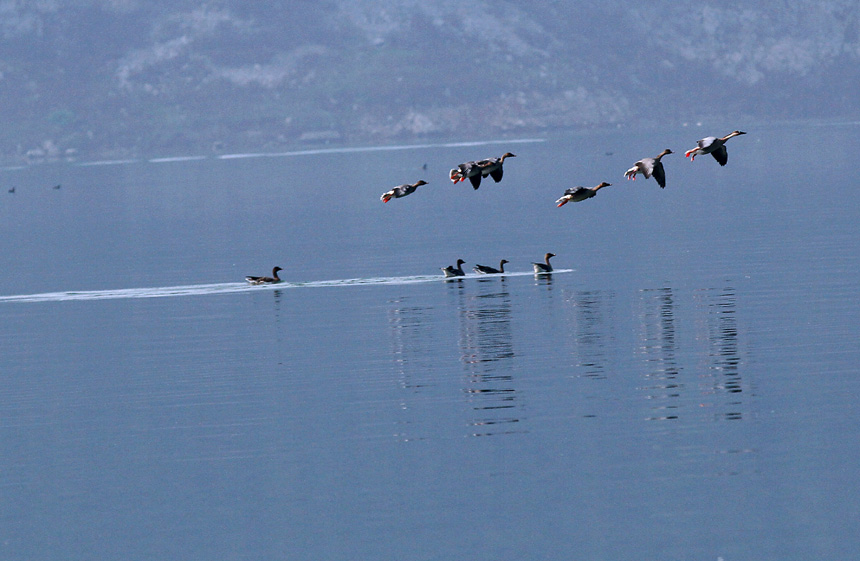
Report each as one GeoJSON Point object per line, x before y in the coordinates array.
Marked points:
{"type": "Point", "coordinates": [454, 270]}
{"type": "Point", "coordinates": [12, 190]}
{"type": "Point", "coordinates": [57, 186]}
{"type": "Point", "coordinates": [274, 279]}
{"type": "Point", "coordinates": [484, 269]}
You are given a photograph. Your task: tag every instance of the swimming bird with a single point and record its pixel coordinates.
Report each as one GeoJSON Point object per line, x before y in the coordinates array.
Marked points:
{"type": "Point", "coordinates": [544, 267]}
{"type": "Point", "coordinates": [649, 167]}
{"type": "Point", "coordinates": [454, 271]}
{"type": "Point", "coordinates": [57, 186]}
{"type": "Point", "coordinates": [577, 194]}
{"type": "Point", "coordinates": [475, 171]}
{"type": "Point", "coordinates": [714, 146]}
{"type": "Point", "coordinates": [12, 189]}
{"type": "Point", "coordinates": [274, 279]}
{"type": "Point", "coordinates": [401, 191]}
{"type": "Point", "coordinates": [489, 270]}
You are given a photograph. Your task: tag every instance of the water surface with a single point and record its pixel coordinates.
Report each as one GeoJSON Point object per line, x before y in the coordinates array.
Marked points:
{"type": "Point", "coordinates": [681, 389]}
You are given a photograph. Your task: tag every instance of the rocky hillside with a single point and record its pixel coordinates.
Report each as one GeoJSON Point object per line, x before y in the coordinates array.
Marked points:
{"type": "Point", "coordinates": [115, 78]}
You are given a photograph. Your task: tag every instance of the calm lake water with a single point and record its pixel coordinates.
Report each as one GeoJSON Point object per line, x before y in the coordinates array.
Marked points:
{"type": "Point", "coordinates": [683, 388]}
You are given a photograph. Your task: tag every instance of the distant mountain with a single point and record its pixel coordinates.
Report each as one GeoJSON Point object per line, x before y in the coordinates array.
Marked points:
{"type": "Point", "coordinates": [135, 77]}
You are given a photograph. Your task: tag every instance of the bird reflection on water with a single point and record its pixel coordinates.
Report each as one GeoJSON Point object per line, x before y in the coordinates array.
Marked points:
{"type": "Point", "coordinates": [592, 331]}
{"type": "Point", "coordinates": [486, 352]}
{"type": "Point", "coordinates": [714, 382]}
{"type": "Point", "coordinates": [659, 346]}
{"type": "Point", "coordinates": [724, 356]}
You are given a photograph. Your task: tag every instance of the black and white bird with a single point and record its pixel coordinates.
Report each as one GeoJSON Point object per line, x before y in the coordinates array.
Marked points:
{"type": "Point", "coordinates": [714, 146]}
{"type": "Point", "coordinates": [577, 194]}
{"type": "Point", "coordinates": [475, 171]}
{"type": "Point", "coordinates": [544, 267]}
{"type": "Point", "coordinates": [401, 191]}
{"type": "Point", "coordinates": [650, 167]}
{"type": "Point", "coordinates": [454, 270]}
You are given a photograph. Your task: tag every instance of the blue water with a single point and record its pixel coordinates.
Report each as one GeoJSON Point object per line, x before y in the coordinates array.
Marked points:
{"type": "Point", "coordinates": [682, 388]}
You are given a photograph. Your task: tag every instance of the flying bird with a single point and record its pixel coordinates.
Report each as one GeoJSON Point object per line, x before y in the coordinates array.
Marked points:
{"type": "Point", "coordinates": [577, 194]}
{"type": "Point", "coordinates": [650, 167]}
{"type": "Point", "coordinates": [475, 171]}
{"type": "Point", "coordinates": [714, 146]}
{"type": "Point", "coordinates": [401, 191]}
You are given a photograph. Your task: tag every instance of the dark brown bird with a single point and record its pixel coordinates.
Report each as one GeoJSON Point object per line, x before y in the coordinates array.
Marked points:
{"type": "Point", "coordinates": [274, 279]}
{"type": "Point", "coordinates": [490, 270]}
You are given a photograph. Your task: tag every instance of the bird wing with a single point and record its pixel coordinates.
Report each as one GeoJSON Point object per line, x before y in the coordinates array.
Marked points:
{"type": "Point", "coordinates": [476, 180]}
{"type": "Point", "coordinates": [496, 174]}
{"type": "Point", "coordinates": [721, 155]}
{"type": "Point", "coordinates": [646, 166]}
{"type": "Point", "coordinates": [706, 142]}
{"type": "Point", "coordinates": [659, 174]}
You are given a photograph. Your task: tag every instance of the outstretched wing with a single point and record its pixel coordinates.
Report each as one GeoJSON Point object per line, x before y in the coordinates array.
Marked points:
{"type": "Point", "coordinates": [721, 155]}
{"type": "Point", "coordinates": [476, 180]}
{"type": "Point", "coordinates": [497, 174]}
{"type": "Point", "coordinates": [659, 174]}
{"type": "Point", "coordinates": [706, 142]}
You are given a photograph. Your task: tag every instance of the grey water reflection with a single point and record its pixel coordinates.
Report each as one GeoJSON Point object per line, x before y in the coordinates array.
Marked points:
{"type": "Point", "coordinates": [658, 344]}
{"type": "Point", "coordinates": [592, 332]}
{"type": "Point", "coordinates": [412, 349]}
{"type": "Point", "coordinates": [486, 352]}
{"type": "Point", "coordinates": [411, 342]}
{"type": "Point", "coordinates": [544, 279]}
{"type": "Point", "coordinates": [720, 327]}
